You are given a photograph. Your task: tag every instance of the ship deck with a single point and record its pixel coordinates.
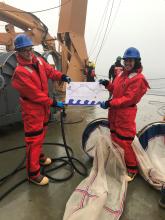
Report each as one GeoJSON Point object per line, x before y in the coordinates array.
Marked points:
{"type": "Point", "coordinates": [29, 201]}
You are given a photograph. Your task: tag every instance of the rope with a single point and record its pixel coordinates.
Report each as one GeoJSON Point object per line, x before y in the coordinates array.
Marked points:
{"type": "Point", "coordinates": [105, 32]}
{"type": "Point", "coordinates": [43, 10]}
{"type": "Point", "coordinates": [67, 160]}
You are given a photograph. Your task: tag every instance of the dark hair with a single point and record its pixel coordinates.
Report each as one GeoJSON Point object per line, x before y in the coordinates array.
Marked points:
{"type": "Point", "coordinates": [137, 65]}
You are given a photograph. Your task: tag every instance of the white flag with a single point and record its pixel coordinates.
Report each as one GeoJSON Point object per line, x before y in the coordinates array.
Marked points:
{"type": "Point", "coordinates": [85, 93]}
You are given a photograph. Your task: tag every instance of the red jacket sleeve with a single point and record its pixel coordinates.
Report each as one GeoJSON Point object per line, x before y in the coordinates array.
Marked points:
{"type": "Point", "coordinates": [51, 72]}
{"type": "Point", "coordinates": [137, 88]}
{"type": "Point", "coordinates": [22, 82]}
{"type": "Point", "coordinates": [110, 87]}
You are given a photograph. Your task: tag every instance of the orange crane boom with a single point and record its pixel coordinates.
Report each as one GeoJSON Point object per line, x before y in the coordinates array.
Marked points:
{"type": "Point", "coordinates": [71, 30]}
{"type": "Point", "coordinates": [26, 21]}
{"type": "Point", "coordinates": [70, 37]}
{"type": "Point", "coordinates": [68, 50]}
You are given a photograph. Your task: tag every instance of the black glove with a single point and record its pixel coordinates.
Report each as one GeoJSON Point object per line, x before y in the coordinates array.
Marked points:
{"type": "Point", "coordinates": [104, 105]}
{"type": "Point", "coordinates": [66, 78]}
{"type": "Point", "coordinates": [104, 82]}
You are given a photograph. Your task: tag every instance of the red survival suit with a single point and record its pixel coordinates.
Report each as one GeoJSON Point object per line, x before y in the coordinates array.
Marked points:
{"type": "Point", "coordinates": [117, 70]}
{"type": "Point", "coordinates": [127, 90]}
{"type": "Point", "coordinates": [31, 80]}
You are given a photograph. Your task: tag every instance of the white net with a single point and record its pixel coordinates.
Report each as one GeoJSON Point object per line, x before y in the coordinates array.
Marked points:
{"type": "Point", "coordinates": [152, 161]}
{"type": "Point", "coordinates": [101, 195]}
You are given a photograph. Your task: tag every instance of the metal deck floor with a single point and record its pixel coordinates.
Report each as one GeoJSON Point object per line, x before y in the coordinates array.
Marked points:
{"type": "Point", "coordinates": [32, 202]}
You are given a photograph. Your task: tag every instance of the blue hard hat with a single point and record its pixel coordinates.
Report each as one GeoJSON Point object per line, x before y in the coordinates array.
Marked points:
{"type": "Point", "coordinates": [22, 40]}
{"type": "Point", "coordinates": [131, 52]}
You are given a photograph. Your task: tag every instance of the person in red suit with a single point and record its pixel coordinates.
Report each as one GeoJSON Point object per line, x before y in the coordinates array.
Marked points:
{"type": "Point", "coordinates": [90, 72]}
{"type": "Point", "coordinates": [127, 89]}
{"type": "Point", "coordinates": [30, 79]}
{"type": "Point", "coordinates": [115, 69]}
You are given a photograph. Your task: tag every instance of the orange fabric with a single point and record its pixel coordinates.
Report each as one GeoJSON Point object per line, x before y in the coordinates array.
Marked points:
{"type": "Point", "coordinates": [30, 79]}
{"type": "Point", "coordinates": [129, 155]}
{"type": "Point", "coordinates": [34, 85]}
{"type": "Point", "coordinates": [127, 92]}
{"type": "Point", "coordinates": [117, 70]}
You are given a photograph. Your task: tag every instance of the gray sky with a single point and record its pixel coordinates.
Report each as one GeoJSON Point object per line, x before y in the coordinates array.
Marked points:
{"type": "Point", "coordinates": [138, 23]}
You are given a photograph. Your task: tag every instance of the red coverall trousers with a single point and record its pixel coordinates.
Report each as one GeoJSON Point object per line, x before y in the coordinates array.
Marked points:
{"type": "Point", "coordinates": [127, 89]}
{"type": "Point", "coordinates": [129, 155]}
{"type": "Point", "coordinates": [35, 127]}
{"type": "Point", "coordinates": [31, 81]}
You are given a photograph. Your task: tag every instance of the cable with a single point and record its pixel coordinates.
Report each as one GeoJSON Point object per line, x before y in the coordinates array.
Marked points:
{"type": "Point", "coordinates": [105, 32]}
{"type": "Point", "coordinates": [44, 26]}
{"type": "Point", "coordinates": [71, 159]}
{"type": "Point", "coordinates": [68, 160]}
{"type": "Point", "coordinates": [43, 10]}
{"type": "Point", "coordinates": [16, 170]}
{"type": "Point", "coordinates": [100, 28]}
{"type": "Point", "coordinates": [117, 10]}
{"type": "Point", "coordinates": [48, 9]}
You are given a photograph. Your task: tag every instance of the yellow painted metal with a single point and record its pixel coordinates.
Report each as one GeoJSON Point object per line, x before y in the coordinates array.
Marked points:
{"type": "Point", "coordinates": [70, 37]}
{"type": "Point", "coordinates": [71, 31]}
{"type": "Point", "coordinates": [26, 21]}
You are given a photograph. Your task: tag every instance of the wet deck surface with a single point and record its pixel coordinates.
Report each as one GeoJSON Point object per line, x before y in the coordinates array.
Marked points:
{"type": "Point", "coordinates": [32, 202]}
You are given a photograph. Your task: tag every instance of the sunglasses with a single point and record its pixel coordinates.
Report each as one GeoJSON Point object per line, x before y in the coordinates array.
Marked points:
{"type": "Point", "coordinates": [26, 49]}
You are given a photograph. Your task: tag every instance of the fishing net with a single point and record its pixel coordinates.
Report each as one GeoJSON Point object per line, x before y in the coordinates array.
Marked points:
{"type": "Point", "coordinates": [101, 195]}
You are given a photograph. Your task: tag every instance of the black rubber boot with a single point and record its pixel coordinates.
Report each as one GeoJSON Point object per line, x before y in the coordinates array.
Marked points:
{"type": "Point", "coordinates": [162, 199]}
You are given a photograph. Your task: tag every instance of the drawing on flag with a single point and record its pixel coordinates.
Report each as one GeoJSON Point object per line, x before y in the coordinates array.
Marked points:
{"type": "Point", "coordinates": [85, 93]}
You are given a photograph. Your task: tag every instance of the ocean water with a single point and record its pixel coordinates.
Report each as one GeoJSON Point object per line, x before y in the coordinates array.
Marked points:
{"type": "Point", "coordinates": [157, 86]}
{"type": "Point", "coordinates": [156, 94]}
{"type": "Point", "coordinates": [152, 106]}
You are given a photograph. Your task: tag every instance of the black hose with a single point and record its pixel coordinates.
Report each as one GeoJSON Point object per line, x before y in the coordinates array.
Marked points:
{"type": "Point", "coordinates": [16, 170]}
{"type": "Point", "coordinates": [64, 161]}
{"type": "Point", "coordinates": [71, 159]}
{"type": "Point", "coordinates": [12, 188]}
